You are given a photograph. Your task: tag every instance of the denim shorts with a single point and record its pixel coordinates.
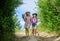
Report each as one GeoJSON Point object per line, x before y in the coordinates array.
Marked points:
{"type": "Point", "coordinates": [34, 24]}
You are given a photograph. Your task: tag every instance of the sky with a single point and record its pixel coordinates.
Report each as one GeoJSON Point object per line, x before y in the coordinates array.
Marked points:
{"type": "Point", "coordinates": [28, 5]}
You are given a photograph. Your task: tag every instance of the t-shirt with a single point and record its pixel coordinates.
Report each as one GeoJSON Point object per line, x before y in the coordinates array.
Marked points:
{"type": "Point", "coordinates": [34, 20]}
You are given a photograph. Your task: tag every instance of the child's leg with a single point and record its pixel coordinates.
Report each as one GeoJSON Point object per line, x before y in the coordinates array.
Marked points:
{"type": "Point", "coordinates": [33, 26]}
{"type": "Point", "coordinates": [27, 31]}
{"type": "Point", "coordinates": [33, 31]}
{"type": "Point", "coordinates": [28, 28]}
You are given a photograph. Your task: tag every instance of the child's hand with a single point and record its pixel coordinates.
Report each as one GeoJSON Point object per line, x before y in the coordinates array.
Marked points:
{"type": "Point", "coordinates": [22, 15]}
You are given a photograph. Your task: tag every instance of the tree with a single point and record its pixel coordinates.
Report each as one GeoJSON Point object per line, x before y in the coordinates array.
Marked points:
{"type": "Point", "coordinates": [6, 21]}
{"type": "Point", "coordinates": [17, 25]}
{"type": "Point", "coordinates": [49, 12]}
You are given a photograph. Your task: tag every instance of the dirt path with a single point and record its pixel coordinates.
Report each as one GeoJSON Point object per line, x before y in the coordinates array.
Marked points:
{"type": "Point", "coordinates": [42, 37]}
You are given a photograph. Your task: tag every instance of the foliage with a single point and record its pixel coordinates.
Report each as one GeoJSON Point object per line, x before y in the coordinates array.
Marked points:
{"type": "Point", "coordinates": [17, 29]}
{"type": "Point", "coordinates": [6, 21]}
{"type": "Point", "coordinates": [17, 22]}
{"type": "Point", "coordinates": [49, 14]}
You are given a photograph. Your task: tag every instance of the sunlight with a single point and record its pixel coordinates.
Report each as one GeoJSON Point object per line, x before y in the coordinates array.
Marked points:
{"type": "Point", "coordinates": [28, 5]}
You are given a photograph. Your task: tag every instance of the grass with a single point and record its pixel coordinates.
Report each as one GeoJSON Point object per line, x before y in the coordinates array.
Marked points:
{"type": "Point", "coordinates": [47, 30]}
{"type": "Point", "coordinates": [17, 30]}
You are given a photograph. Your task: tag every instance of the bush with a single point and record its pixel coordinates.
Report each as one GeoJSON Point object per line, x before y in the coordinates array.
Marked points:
{"type": "Point", "coordinates": [49, 12]}
{"type": "Point", "coordinates": [6, 21]}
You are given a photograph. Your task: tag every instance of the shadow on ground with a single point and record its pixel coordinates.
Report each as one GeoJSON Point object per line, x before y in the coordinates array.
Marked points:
{"type": "Point", "coordinates": [46, 38]}
{"type": "Point", "coordinates": [36, 38]}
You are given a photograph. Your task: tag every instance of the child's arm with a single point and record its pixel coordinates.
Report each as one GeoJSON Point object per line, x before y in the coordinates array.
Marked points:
{"type": "Point", "coordinates": [23, 16]}
{"type": "Point", "coordinates": [31, 19]}
{"type": "Point", "coordinates": [37, 20]}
